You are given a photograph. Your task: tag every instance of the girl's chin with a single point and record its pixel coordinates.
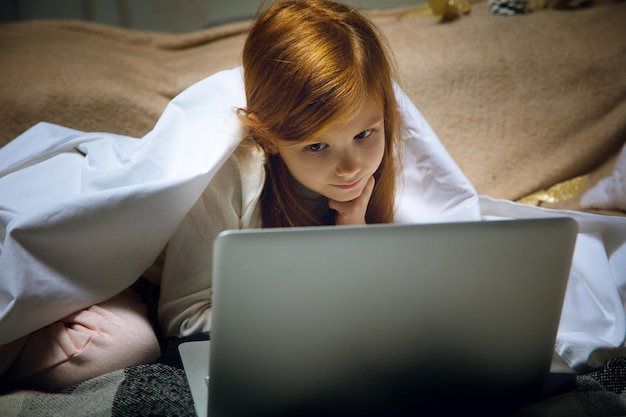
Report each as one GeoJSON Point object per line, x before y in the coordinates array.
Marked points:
{"type": "Point", "coordinates": [343, 196]}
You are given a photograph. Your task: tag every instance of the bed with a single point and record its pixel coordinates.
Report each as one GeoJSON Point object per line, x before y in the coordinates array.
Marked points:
{"type": "Point", "coordinates": [531, 107]}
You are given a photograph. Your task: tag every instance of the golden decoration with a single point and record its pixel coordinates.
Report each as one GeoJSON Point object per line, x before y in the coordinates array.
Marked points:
{"type": "Point", "coordinates": [559, 192]}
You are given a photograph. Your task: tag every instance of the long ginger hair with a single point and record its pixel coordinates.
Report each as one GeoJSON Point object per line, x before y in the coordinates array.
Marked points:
{"type": "Point", "coordinates": [309, 64]}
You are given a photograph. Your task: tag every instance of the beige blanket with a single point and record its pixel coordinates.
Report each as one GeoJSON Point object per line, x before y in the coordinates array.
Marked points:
{"type": "Point", "coordinates": [521, 102]}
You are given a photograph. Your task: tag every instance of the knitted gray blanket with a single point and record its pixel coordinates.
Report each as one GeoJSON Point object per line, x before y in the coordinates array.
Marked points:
{"type": "Point", "coordinates": [145, 390]}
{"type": "Point", "coordinates": [162, 390]}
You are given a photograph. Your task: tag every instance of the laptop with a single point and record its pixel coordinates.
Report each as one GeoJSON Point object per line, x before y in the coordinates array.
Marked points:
{"type": "Point", "coordinates": [382, 319]}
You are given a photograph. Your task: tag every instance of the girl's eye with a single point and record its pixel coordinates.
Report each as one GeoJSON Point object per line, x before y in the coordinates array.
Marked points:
{"type": "Point", "coordinates": [364, 134]}
{"type": "Point", "coordinates": [316, 147]}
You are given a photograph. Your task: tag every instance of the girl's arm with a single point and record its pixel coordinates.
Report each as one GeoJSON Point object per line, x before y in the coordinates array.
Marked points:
{"type": "Point", "coordinates": [229, 202]}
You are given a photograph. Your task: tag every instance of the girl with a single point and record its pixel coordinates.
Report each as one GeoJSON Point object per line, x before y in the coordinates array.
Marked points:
{"type": "Point", "coordinates": [322, 125]}
{"type": "Point", "coordinates": [320, 148]}
{"type": "Point", "coordinates": [316, 74]}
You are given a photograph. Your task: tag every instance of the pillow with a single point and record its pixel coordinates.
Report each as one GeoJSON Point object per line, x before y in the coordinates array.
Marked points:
{"type": "Point", "coordinates": [609, 192]}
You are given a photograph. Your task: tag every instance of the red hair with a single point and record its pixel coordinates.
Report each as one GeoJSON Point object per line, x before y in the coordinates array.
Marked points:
{"type": "Point", "coordinates": [308, 65]}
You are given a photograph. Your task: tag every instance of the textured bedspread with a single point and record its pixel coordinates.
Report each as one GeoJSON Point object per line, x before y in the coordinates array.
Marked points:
{"type": "Point", "coordinates": [157, 390]}
{"type": "Point", "coordinates": [162, 390]}
{"type": "Point", "coordinates": [521, 102]}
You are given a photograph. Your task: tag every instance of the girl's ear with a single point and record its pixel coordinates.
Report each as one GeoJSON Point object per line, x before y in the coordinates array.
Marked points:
{"type": "Point", "coordinates": [271, 147]}
{"type": "Point", "coordinates": [268, 144]}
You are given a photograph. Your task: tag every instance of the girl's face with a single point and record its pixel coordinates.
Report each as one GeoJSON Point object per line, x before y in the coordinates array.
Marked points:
{"type": "Point", "coordinates": [338, 164]}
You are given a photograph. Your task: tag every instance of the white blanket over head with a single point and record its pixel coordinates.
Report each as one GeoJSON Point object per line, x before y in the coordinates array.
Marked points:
{"type": "Point", "coordinates": [83, 215]}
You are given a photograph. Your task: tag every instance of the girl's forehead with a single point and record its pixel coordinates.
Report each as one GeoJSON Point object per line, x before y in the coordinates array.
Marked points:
{"type": "Point", "coordinates": [367, 113]}
{"type": "Point", "coordinates": [362, 114]}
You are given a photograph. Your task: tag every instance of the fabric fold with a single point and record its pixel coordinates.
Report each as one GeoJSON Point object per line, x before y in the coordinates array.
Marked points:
{"type": "Point", "coordinates": [85, 214]}
{"type": "Point", "coordinates": [593, 317]}
{"type": "Point", "coordinates": [111, 202]}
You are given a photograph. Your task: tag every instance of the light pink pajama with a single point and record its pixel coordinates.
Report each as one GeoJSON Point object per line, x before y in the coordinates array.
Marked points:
{"type": "Point", "coordinates": [102, 338]}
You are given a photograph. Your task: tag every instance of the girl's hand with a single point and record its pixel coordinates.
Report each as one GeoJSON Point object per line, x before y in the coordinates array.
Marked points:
{"type": "Point", "coordinates": [353, 212]}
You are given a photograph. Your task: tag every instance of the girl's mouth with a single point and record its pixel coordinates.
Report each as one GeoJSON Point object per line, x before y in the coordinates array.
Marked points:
{"type": "Point", "coordinates": [348, 186]}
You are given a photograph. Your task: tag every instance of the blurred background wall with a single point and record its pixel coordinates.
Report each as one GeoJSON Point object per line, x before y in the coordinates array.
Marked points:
{"type": "Point", "coordinates": [157, 15]}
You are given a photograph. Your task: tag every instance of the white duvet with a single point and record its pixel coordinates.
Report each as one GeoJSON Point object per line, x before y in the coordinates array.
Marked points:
{"type": "Point", "coordinates": [84, 214]}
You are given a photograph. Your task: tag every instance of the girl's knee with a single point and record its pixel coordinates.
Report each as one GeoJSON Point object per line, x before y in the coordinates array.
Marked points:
{"type": "Point", "coordinates": [102, 338]}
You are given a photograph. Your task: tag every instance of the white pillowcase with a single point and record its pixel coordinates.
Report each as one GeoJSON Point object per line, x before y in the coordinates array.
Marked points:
{"type": "Point", "coordinates": [609, 192]}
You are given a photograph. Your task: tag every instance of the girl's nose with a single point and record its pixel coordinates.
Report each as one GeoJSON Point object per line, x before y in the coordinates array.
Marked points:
{"type": "Point", "coordinates": [348, 165]}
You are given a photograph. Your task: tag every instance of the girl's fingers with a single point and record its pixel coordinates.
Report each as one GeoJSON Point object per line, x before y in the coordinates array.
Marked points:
{"type": "Point", "coordinates": [353, 212]}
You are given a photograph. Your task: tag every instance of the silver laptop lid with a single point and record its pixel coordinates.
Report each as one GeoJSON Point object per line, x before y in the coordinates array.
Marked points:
{"type": "Point", "coordinates": [358, 319]}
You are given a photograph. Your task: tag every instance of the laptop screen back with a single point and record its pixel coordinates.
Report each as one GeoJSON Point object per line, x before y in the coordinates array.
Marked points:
{"type": "Point", "coordinates": [347, 320]}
